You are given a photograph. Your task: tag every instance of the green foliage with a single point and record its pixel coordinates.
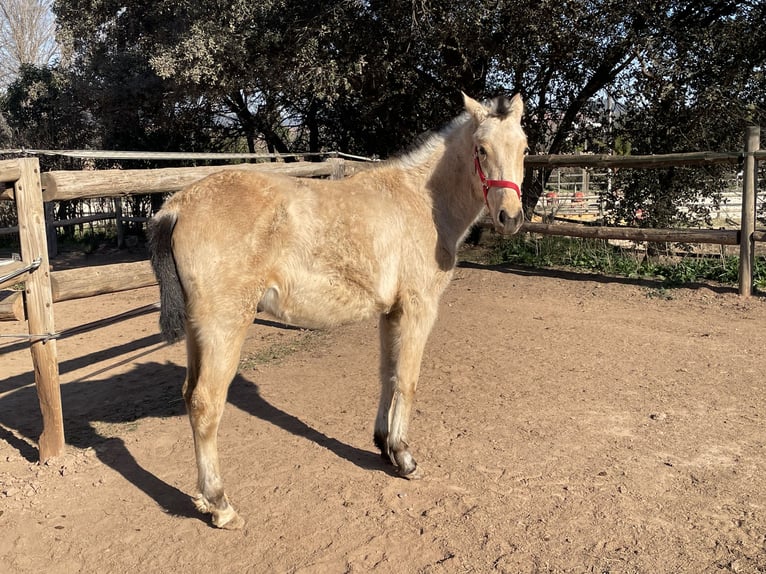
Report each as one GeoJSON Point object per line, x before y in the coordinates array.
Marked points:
{"type": "Point", "coordinates": [664, 197]}
{"type": "Point", "coordinates": [697, 90]}
{"type": "Point", "coordinates": [599, 256]}
{"type": "Point", "coordinates": [41, 109]}
{"type": "Point", "coordinates": [553, 251]}
{"type": "Point", "coordinates": [369, 77]}
{"type": "Point", "coordinates": [7, 217]}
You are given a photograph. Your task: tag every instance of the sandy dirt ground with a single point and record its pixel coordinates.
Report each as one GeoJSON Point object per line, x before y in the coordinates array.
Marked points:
{"type": "Point", "coordinates": [564, 423]}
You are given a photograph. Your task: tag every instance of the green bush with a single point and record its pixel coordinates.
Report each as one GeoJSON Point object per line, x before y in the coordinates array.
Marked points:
{"type": "Point", "coordinates": [597, 255]}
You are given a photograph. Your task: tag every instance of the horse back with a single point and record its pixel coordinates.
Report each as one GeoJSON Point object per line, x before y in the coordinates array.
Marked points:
{"type": "Point", "coordinates": [311, 252]}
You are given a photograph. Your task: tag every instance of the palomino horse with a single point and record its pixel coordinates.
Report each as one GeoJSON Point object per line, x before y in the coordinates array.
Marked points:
{"type": "Point", "coordinates": [319, 253]}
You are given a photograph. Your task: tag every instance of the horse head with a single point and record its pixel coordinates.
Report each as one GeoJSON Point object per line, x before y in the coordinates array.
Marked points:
{"type": "Point", "coordinates": [499, 147]}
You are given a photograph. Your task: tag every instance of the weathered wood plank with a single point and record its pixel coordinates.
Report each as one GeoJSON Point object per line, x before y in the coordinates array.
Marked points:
{"type": "Point", "coordinates": [31, 214]}
{"type": "Point", "coordinates": [84, 282]}
{"type": "Point", "coordinates": [11, 306]}
{"type": "Point", "coordinates": [717, 236]}
{"type": "Point", "coordinates": [747, 222]}
{"type": "Point", "coordinates": [10, 170]}
{"type": "Point", "coordinates": [644, 161]}
{"type": "Point", "coordinates": [61, 185]}
{"type": "Point", "coordinates": [89, 281]}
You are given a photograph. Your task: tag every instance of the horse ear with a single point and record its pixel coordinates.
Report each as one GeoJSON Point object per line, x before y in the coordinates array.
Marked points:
{"type": "Point", "coordinates": [474, 108]}
{"type": "Point", "coordinates": [517, 107]}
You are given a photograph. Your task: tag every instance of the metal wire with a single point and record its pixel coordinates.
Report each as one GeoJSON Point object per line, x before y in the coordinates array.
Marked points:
{"type": "Point", "coordinates": [33, 337]}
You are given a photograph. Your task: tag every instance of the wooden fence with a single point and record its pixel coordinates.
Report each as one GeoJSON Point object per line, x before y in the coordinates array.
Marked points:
{"type": "Point", "coordinates": [745, 237]}
{"type": "Point", "coordinates": [21, 180]}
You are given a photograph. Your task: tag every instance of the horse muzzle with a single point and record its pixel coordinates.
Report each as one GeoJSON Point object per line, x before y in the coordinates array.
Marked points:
{"type": "Point", "coordinates": [508, 223]}
{"type": "Point", "coordinates": [506, 210]}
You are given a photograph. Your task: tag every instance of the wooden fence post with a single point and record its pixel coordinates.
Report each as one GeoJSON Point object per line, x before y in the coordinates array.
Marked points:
{"type": "Point", "coordinates": [119, 223]}
{"type": "Point", "coordinates": [338, 167]}
{"type": "Point", "coordinates": [32, 232]}
{"type": "Point", "coordinates": [747, 243]}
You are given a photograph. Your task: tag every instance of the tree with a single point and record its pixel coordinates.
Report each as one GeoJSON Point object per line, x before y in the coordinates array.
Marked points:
{"type": "Point", "coordinates": [41, 110]}
{"type": "Point", "coordinates": [27, 36]}
{"type": "Point", "coordinates": [698, 90]}
{"type": "Point", "coordinates": [369, 77]}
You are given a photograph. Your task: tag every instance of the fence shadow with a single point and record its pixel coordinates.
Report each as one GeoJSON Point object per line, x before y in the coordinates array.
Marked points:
{"type": "Point", "coordinates": [25, 379]}
{"type": "Point", "coordinates": [93, 408]}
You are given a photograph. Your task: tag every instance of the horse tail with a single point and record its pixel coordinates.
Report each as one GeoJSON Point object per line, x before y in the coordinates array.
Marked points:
{"type": "Point", "coordinates": [172, 299]}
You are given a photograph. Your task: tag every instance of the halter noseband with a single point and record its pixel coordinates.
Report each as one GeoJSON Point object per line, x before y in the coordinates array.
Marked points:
{"type": "Point", "coordinates": [487, 183]}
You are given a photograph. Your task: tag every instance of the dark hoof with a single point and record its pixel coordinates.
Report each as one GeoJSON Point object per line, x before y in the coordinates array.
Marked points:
{"type": "Point", "coordinates": [413, 474]}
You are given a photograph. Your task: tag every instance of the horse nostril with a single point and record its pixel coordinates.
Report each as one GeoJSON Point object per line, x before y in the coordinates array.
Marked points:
{"type": "Point", "coordinates": [509, 224]}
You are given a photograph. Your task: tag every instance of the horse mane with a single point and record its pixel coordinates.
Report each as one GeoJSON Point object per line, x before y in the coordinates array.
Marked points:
{"type": "Point", "coordinates": [423, 146]}
{"type": "Point", "coordinates": [499, 107]}
{"type": "Point", "coordinates": [421, 149]}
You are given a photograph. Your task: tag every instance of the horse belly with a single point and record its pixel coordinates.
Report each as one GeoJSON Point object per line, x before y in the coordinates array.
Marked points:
{"type": "Point", "coordinates": [321, 303]}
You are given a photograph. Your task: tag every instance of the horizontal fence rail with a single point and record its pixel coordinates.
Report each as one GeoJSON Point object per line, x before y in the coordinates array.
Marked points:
{"type": "Point", "coordinates": [10, 172]}
{"type": "Point", "coordinates": [177, 156]}
{"type": "Point", "coordinates": [635, 161]}
{"type": "Point", "coordinates": [86, 184]}
{"type": "Point", "coordinates": [90, 184]}
{"type": "Point", "coordinates": [717, 236]}
{"type": "Point", "coordinates": [62, 185]}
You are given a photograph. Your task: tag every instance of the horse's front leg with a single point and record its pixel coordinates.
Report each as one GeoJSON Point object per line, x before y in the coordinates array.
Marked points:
{"type": "Point", "coordinates": [403, 335]}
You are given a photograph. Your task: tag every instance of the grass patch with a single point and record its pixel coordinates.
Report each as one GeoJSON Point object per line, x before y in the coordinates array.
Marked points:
{"type": "Point", "coordinates": [277, 352]}
{"type": "Point", "coordinates": [599, 256]}
{"type": "Point", "coordinates": [107, 430]}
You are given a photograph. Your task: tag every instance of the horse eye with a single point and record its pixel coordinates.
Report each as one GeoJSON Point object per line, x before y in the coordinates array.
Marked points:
{"type": "Point", "coordinates": [482, 151]}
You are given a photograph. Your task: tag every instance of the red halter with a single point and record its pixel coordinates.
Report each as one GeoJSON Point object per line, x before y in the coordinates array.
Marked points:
{"type": "Point", "coordinates": [487, 183]}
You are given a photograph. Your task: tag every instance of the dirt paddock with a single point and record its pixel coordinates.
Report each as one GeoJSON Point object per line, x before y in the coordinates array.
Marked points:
{"type": "Point", "coordinates": [564, 423]}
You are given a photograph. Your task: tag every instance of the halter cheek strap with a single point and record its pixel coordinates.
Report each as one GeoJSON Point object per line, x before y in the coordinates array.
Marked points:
{"type": "Point", "coordinates": [487, 183]}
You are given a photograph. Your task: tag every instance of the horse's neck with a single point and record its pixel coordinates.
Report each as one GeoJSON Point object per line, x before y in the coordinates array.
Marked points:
{"type": "Point", "coordinates": [453, 187]}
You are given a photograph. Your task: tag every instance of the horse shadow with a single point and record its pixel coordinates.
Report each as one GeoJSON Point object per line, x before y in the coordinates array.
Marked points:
{"type": "Point", "coordinates": [148, 390]}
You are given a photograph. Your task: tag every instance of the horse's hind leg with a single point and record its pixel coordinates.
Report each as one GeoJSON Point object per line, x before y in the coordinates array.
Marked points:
{"type": "Point", "coordinates": [403, 335]}
{"type": "Point", "coordinates": [213, 349]}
